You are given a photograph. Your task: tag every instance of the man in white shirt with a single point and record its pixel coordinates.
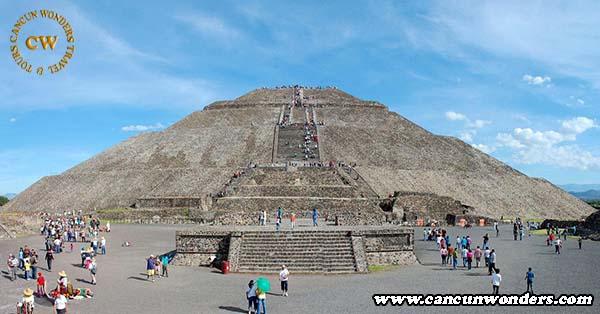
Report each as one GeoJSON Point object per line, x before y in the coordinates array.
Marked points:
{"type": "Point", "coordinates": [60, 304]}
{"type": "Point", "coordinates": [557, 245]}
{"type": "Point", "coordinates": [492, 265]}
{"type": "Point", "coordinates": [283, 277]}
{"type": "Point", "coordinates": [496, 280]}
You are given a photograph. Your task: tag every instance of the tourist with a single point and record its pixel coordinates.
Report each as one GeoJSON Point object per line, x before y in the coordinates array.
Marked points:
{"type": "Point", "coordinates": [49, 258]}
{"type": "Point", "coordinates": [261, 306]}
{"type": "Point", "coordinates": [529, 277]}
{"type": "Point", "coordinates": [454, 258]}
{"type": "Point", "coordinates": [315, 217]}
{"type": "Point", "coordinates": [108, 226]}
{"type": "Point", "coordinates": [579, 242]}
{"type": "Point", "coordinates": [496, 280]}
{"type": "Point", "coordinates": [60, 304]}
{"type": "Point", "coordinates": [62, 282]}
{"type": "Point", "coordinates": [165, 264]}
{"type": "Point", "coordinates": [21, 258]}
{"type": "Point", "coordinates": [251, 297]}
{"type": "Point", "coordinates": [27, 268]}
{"type": "Point", "coordinates": [492, 261]}
{"type": "Point", "coordinates": [157, 266]}
{"type": "Point", "coordinates": [12, 264]}
{"type": "Point", "coordinates": [28, 301]}
{"type": "Point", "coordinates": [557, 245]}
{"type": "Point", "coordinates": [95, 245]}
{"type": "Point", "coordinates": [469, 258]}
{"type": "Point", "coordinates": [425, 234]}
{"type": "Point", "coordinates": [103, 245]}
{"type": "Point", "coordinates": [486, 239]}
{"type": "Point", "coordinates": [497, 229]}
{"type": "Point", "coordinates": [444, 255]}
{"type": "Point", "coordinates": [515, 231]}
{"type": "Point", "coordinates": [438, 240]}
{"type": "Point", "coordinates": [33, 257]}
{"type": "Point", "coordinates": [464, 252]}
{"type": "Point", "coordinates": [41, 285]}
{"type": "Point", "coordinates": [93, 268]}
{"type": "Point", "coordinates": [150, 268]}
{"type": "Point", "coordinates": [283, 278]}
{"type": "Point", "coordinates": [477, 254]}
{"type": "Point", "coordinates": [293, 220]}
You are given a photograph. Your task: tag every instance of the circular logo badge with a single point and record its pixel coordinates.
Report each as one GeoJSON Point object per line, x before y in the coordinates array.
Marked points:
{"type": "Point", "coordinates": [42, 41]}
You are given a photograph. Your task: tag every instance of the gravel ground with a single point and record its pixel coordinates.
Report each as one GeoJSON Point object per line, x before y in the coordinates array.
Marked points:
{"type": "Point", "coordinates": [122, 287]}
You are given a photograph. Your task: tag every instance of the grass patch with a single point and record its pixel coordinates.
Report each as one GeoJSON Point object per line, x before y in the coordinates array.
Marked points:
{"type": "Point", "coordinates": [542, 232]}
{"type": "Point", "coordinates": [378, 268]}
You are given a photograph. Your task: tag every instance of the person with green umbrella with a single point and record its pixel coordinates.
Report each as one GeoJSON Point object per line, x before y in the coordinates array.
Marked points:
{"type": "Point", "coordinates": [263, 286]}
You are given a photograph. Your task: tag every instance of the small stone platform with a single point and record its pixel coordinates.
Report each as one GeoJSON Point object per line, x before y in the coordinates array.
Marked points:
{"type": "Point", "coordinates": [328, 249]}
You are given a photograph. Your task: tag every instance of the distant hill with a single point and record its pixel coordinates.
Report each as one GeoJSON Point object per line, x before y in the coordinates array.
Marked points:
{"type": "Point", "coordinates": [580, 187]}
{"type": "Point", "coordinates": [10, 196]}
{"type": "Point", "coordinates": [588, 195]}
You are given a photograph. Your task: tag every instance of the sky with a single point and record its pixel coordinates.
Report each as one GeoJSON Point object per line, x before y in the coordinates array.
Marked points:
{"type": "Point", "coordinates": [519, 80]}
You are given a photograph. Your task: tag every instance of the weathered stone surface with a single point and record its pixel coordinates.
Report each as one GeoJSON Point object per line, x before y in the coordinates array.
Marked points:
{"type": "Point", "coordinates": [332, 249]}
{"type": "Point", "coordinates": [197, 155]}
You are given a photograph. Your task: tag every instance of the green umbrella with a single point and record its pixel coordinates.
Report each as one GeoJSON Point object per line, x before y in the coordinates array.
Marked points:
{"type": "Point", "coordinates": [263, 284]}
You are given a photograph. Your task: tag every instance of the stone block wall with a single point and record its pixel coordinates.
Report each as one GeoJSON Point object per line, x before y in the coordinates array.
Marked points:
{"type": "Point", "coordinates": [392, 246]}
{"type": "Point", "coordinates": [196, 248]}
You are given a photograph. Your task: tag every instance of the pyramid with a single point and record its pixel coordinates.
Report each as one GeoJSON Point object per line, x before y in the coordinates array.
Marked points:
{"type": "Point", "coordinates": [195, 158]}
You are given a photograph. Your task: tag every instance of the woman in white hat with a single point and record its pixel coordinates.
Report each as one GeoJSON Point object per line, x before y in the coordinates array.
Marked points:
{"type": "Point", "coordinates": [27, 303]}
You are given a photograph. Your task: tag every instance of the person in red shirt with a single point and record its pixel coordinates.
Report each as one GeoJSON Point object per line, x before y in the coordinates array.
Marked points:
{"type": "Point", "coordinates": [41, 285]}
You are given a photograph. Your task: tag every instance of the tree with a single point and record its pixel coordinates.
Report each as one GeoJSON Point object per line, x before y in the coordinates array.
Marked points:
{"type": "Point", "coordinates": [3, 200]}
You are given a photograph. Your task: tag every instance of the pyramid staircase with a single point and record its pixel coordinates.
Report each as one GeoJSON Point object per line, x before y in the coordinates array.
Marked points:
{"type": "Point", "coordinates": [310, 251]}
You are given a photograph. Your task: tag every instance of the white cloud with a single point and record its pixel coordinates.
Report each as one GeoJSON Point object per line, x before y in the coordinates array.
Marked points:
{"type": "Point", "coordinates": [467, 136]}
{"type": "Point", "coordinates": [455, 116]}
{"type": "Point", "coordinates": [478, 124]}
{"type": "Point", "coordinates": [578, 125]}
{"type": "Point", "coordinates": [142, 128]}
{"type": "Point", "coordinates": [547, 147]}
{"type": "Point", "coordinates": [12, 120]}
{"type": "Point", "coordinates": [536, 80]}
{"type": "Point", "coordinates": [208, 25]}
{"type": "Point", "coordinates": [580, 101]}
{"type": "Point", "coordinates": [484, 148]}
{"type": "Point", "coordinates": [470, 127]}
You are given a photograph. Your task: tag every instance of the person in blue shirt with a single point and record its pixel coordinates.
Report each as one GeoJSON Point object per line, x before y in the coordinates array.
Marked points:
{"type": "Point", "coordinates": [315, 216]}
{"type": "Point", "coordinates": [529, 277]}
{"type": "Point", "coordinates": [165, 264]}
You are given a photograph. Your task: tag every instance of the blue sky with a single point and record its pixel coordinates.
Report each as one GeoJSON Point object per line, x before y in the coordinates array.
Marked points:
{"type": "Point", "coordinates": [520, 80]}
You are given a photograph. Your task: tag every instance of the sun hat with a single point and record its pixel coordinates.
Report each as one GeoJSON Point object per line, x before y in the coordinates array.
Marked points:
{"type": "Point", "coordinates": [27, 292]}
{"type": "Point", "coordinates": [62, 274]}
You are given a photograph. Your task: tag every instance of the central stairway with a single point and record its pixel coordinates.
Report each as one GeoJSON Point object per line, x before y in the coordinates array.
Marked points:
{"type": "Point", "coordinates": [301, 251]}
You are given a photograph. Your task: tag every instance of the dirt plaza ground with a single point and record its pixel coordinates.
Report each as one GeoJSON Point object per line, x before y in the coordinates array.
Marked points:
{"type": "Point", "coordinates": [122, 285]}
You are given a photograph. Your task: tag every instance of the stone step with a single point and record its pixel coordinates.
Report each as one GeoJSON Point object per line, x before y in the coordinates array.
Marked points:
{"type": "Point", "coordinates": [298, 242]}
{"type": "Point", "coordinates": [297, 256]}
{"type": "Point", "coordinates": [297, 249]}
{"type": "Point", "coordinates": [273, 269]}
{"type": "Point", "coordinates": [295, 265]}
{"type": "Point", "coordinates": [267, 248]}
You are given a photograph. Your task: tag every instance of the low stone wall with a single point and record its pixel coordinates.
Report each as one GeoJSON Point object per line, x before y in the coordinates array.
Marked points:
{"type": "Point", "coordinates": [394, 246]}
{"type": "Point", "coordinates": [197, 248]}
{"type": "Point", "coordinates": [371, 245]}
